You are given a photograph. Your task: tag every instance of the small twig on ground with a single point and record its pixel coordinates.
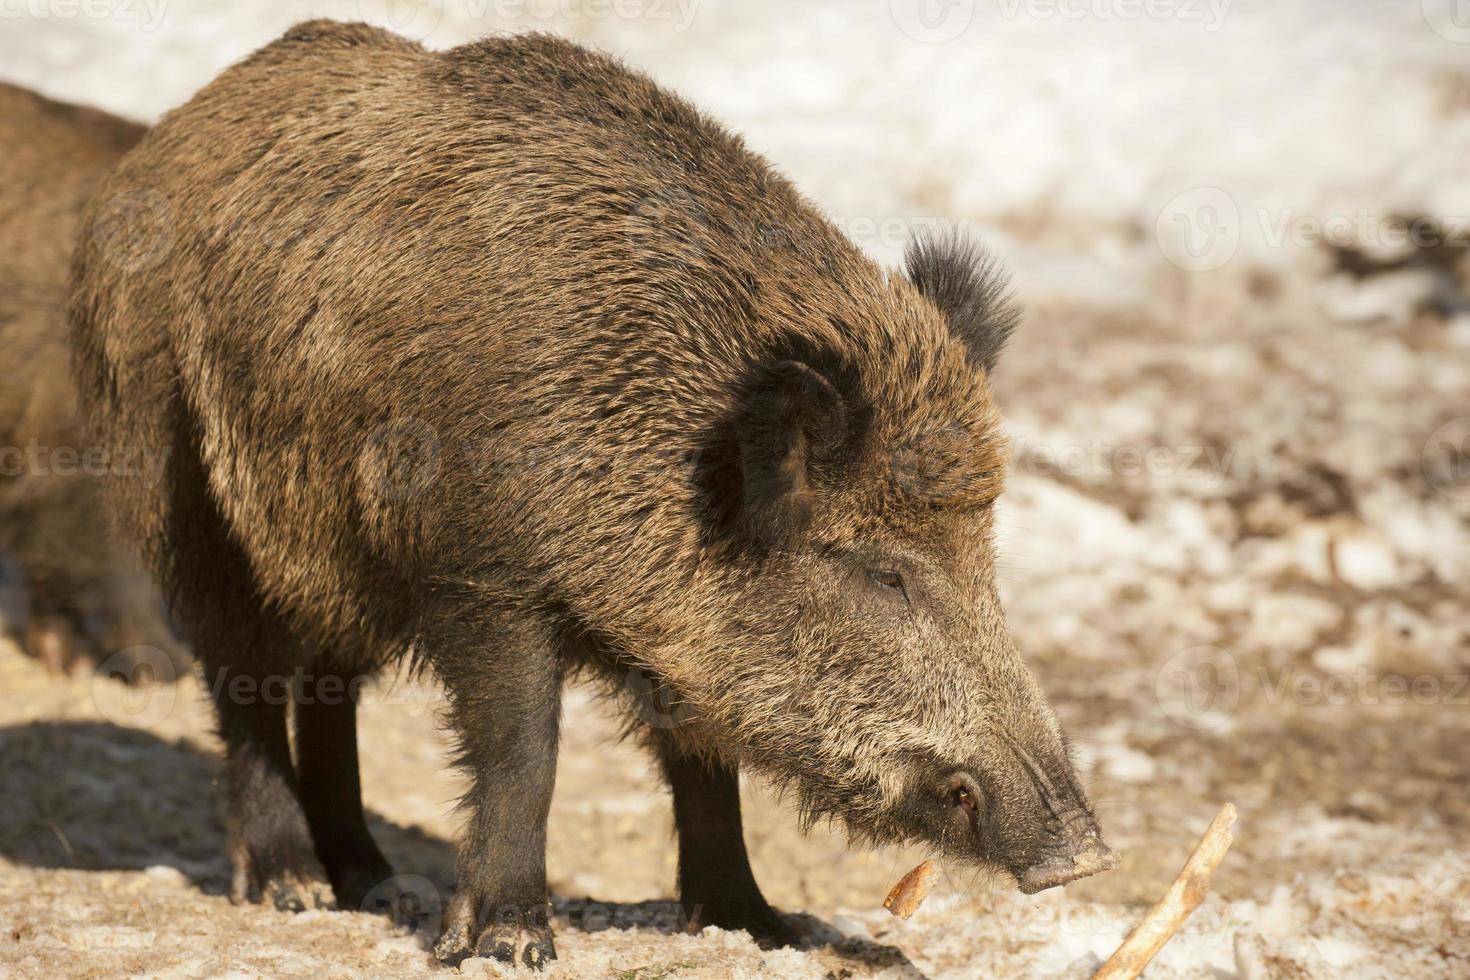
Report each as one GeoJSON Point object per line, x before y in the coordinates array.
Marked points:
{"type": "Point", "coordinates": [61, 839]}
{"type": "Point", "coordinates": [1169, 912]}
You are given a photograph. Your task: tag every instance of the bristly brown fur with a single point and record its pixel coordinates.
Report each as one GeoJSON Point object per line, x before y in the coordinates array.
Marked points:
{"type": "Point", "coordinates": [87, 596]}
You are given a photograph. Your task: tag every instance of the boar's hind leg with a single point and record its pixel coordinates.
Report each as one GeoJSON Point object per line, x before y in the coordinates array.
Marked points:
{"type": "Point", "coordinates": [269, 843]}
{"type": "Point", "coordinates": [331, 788]}
{"type": "Point", "coordinates": [716, 886]}
{"type": "Point", "coordinates": [503, 680]}
{"type": "Point", "coordinates": [249, 657]}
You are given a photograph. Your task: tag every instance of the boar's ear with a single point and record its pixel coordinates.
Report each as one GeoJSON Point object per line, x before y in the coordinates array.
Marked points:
{"type": "Point", "coordinates": [793, 424]}
{"type": "Point", "coordinates": [969, 288]}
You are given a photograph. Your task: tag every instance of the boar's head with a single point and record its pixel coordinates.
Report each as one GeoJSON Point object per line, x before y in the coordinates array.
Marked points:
{"type": "Point", "coordinates": [853, 645]}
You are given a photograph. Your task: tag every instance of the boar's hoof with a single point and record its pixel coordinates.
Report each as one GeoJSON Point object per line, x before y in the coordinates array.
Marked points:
{"type": "Point", "coordinates": [513, 936]}
{"type": "Point", "coordinates": [517, 945]}
{"type": "Point", "coordinates": [53, 642]}
{"type": "Point", "coordinates": [286, 894]}
{"type": "Point", "coordinates": [766, 926]}
{"type": "Point", "coordinates": [775, 935]}
{"type": "Point", "coordinates": [373, 887]}
{"type": "Point", "coordinates": [288, 886]}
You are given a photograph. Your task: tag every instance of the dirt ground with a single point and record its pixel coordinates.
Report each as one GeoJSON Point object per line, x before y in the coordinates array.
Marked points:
{"type": "Point", "coordinates": [1235, 552]}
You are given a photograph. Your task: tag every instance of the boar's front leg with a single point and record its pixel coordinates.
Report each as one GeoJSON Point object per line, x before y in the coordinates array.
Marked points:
{"type": "Point", "coordinates": [504, 686]}
{"type": "Point", "coordinates": [716, 885]}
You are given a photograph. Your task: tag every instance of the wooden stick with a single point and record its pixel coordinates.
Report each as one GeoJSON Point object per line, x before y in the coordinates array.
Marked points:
{"type": "Point", "coordinates": [905, 897]}
{"type": "Point", "coordinates": [1182, 898]}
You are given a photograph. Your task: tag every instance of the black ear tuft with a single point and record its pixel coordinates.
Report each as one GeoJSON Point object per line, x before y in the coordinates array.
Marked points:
{"type": "Point", "coordinates": [969, 287]}
{"type": "Point", "coordinates": [793, 423]}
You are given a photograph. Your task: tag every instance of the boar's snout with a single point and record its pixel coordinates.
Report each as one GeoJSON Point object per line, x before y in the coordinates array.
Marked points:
{"type": "Point", "coordinates": [1045, 837]}
{"type": "Point", "coordinates": [1078, 851]}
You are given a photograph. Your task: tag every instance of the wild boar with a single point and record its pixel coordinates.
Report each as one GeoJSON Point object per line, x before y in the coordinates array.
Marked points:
{"type": "Point", "coordinates": [87, 596]}
{"type": "Point", "coordinates": [507, 360]}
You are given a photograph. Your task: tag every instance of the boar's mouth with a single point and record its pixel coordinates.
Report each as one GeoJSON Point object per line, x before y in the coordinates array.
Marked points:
{"type": "Point", "coordinates": [1078, 852]}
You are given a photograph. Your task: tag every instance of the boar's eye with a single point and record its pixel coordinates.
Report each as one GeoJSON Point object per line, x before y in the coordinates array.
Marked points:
{"type": "Point", "coordinates": [889, 581]}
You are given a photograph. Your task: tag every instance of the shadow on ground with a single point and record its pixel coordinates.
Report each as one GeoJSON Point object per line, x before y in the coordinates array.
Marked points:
{"type": "Point", "coordinates": [100, 797]}
{"type": "Point", "coordinates": [93, 796]}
